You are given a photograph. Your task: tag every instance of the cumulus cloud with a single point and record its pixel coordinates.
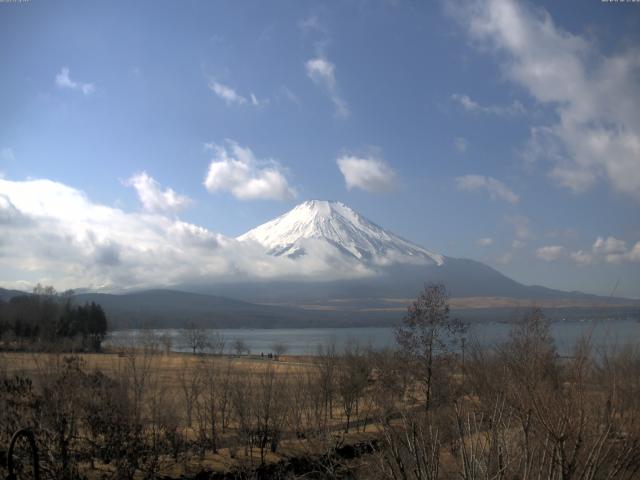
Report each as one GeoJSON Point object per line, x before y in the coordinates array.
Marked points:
{"type": "Point", "coordinates": [595, 132]}
{"type": "Point", "coordinates": [550, 253]}
{"type": "Point", "coordinates": [55, 234]}
{"type": "Point", "coordinates": [63, 80]}
{"type": "Point", "coordinates": [495, 188]}
{"type": "Point", "coordinates": [610, 250]}
{"type": "Point", "coordinates": [236, 169]}
{"type": "Point", "coordinates": [484, 242]}
{"type": "Point", "coordinates": [609, 245]}
{"type": "Point", "coordinates": [322, 72]}
{"type": "Point", "coordinates": [370, 173]}
{"type": "Point", "coordinates": [470, 105]}
{"type": "Point", "coordinates": [153, 197]}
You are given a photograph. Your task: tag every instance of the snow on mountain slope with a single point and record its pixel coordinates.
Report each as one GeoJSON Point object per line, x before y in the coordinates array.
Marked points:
{"type": "Point", "coordinates": [334, 224]}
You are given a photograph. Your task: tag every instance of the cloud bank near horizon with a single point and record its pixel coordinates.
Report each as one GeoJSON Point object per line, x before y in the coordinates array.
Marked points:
{"type": "Point", "coordinates": [55, 234]}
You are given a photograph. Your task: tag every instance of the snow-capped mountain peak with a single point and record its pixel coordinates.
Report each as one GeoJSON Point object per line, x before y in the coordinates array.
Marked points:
{"type": "Point", "coordinates": [342, 228]}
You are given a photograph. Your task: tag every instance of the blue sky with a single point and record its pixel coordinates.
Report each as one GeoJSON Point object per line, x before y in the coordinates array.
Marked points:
{"type": "Point", "coordinates": [504, 131]}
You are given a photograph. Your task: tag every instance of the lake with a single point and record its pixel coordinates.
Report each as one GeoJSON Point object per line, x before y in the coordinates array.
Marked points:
{"type": "Point", "coordinates": [305, 341]}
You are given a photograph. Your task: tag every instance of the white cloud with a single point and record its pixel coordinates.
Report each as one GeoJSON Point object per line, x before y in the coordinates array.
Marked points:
{"type": "Point", "coordinates": [596, 128]}
{"type": "Point", "coordinates": [495, 188]}
{"type": "Point", "coordinates": [484, 242]}
{"type": "Point", "coordinates": [516, 244]}
{"type": "Point", "coordinates": [231, 96]}
{"type": "Point", "coordinates": [609, 250]}
{"type": "Point", "coordinates": [235, 169]}
{"type": "Point", "coordinates": [322, 72]}
{"type": "Point", "coordinates": [460, 144]}
{"type": "Point", "coordinates": [55, 234]}
{"type": "Point", "coordinates": [550, 253]}
{"type": "Point", "coordinates": [610, 245]}
{"type": "Point", "coordinates": [612, 249]}
{"type": "Point", "coordinates": [63, 80]}
{"type": "Point", "coordinates": [256, 102]}
{"type": "Point", "coordinates": [581, 258]}
{"type": "Point", "coordinates": [470, 105]}
{"type": "Point", "coordinates": [226, 93]}
{"type": "Point", "coordinates": [153, 198]}
{"type": "Point", "coordinates": [370, 173]}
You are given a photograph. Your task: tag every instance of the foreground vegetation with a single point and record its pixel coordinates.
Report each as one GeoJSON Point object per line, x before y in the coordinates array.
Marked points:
{"type": "Point", "coordinates": [425, 410]}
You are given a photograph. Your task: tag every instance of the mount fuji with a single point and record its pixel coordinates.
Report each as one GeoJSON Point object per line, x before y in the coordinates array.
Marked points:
{"type": "Point", "coordinates": [396, 269]}
{"type": "Point", "coordinates": [340, 227]}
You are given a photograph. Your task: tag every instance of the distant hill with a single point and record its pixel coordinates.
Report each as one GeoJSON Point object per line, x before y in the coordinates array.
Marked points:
{"type": "Point", "coordinates": [174, 309]}
{"type": "Point", "coordinates": [462, 277]}
{"type": "Point", "coordinates": [6, 295]}
{"type": "Point", "coordinates": [171, 308]}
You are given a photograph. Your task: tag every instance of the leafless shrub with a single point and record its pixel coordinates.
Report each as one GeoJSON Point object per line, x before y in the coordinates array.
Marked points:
{"type": "Point", "coordinates": [410, 448]}
{"type": "Point", "coordinates": [565, 416]}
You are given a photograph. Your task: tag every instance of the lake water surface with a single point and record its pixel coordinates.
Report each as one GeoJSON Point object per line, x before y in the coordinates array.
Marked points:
{"type": "Point", "coordinates": [305, 341]}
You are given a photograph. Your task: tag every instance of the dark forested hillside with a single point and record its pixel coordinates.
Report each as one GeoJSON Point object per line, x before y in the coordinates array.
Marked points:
{"type": "Point", "coordinates": [46, 318]}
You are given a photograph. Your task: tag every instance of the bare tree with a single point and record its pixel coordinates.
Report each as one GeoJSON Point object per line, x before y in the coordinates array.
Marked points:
{"type": "Point", "coordinates": [327, 360]}
{"type": "Point", "coordinates": [167, 342]}
{"type": "Point", "coordinates": [216, 343]}
{"type": "Point", "coordinates": [279, 349]}
{"type": "Point", "coordinates": [428, 331]}
{"type": "Point", "coordinates": [190, 381]}
{"type": "Point", "coordinates": [211, 404]}
{"type": "Point", "coordinates": [240, 346]}
{"type": "Point", "coordinates": [353, 375]}
{"type": "Point", "coordinates": [149, 340]}
{"type": "Point", "coordinates": [194, 337]}
{"type": "Point", "coordinates": [392, 379]}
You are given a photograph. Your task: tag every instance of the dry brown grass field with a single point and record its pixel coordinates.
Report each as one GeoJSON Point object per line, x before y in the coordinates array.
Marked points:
{"type": "Point", "coordinates": [173, 380]}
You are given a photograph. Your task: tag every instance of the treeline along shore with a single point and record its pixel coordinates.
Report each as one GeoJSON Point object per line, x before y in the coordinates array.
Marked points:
{"type": "Point", "coordinates": [46, 320]}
